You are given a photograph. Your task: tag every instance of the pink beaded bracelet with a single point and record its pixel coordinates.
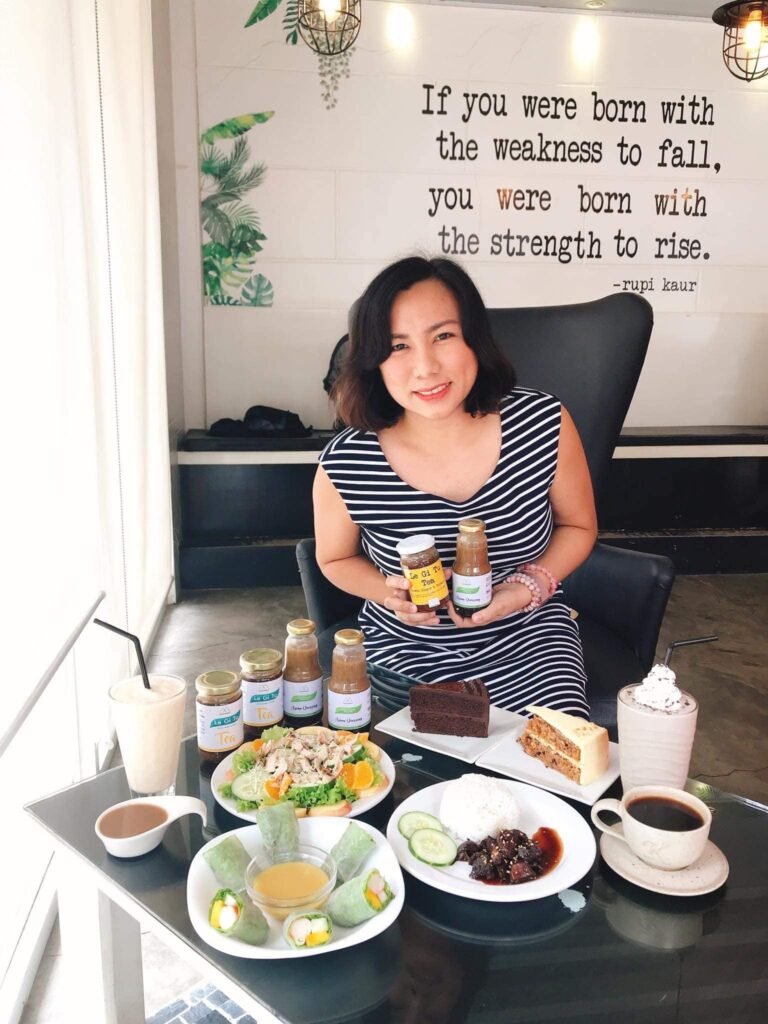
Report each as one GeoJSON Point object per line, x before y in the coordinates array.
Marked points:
{"type": "Point", "coordinates": [551, 579]}
{"type": "Point", "coordinates": [529, 582]}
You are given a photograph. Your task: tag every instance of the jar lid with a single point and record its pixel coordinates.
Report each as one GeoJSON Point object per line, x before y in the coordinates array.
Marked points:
{"type": "Point", "coordinates": [471, 525]}
{"type": "Point", "coordinates": [413, 545]}
{"type": "Point", "coordinates": [301, 627]}
{"type": "Point", "coordinates": [348, 637]}
{"type": "Point", "coordinates": [217, 681]}
{"type": "Point", "coordinates": [261, 659]}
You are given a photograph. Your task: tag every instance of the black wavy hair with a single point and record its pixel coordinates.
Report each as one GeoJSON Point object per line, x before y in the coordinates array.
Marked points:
{"type": "Point", "coordinates": [361, 397]}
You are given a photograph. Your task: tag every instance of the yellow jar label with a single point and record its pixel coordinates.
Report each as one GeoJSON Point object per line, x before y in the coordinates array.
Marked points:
{"type": "Point", "coordinates": [428, 586]}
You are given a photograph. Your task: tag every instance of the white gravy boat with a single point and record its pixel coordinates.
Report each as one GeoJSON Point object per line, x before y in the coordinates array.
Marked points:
{"type": "Point", "coordinates": [136, 845]}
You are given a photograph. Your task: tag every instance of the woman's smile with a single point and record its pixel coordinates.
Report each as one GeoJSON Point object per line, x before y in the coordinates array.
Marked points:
{"type": "Point", "coordinates": [430, 394]}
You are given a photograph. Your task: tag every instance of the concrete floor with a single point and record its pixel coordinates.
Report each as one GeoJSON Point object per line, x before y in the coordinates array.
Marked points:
{"type": "Point", "coordinates": [209, 629]}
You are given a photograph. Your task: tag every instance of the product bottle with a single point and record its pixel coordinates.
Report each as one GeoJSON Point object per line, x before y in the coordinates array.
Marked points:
{"type": "Point", "coordinates": [261, 671]}
{"type": "Point", "coordinates": [219, 714]}
{"type": "Point", "coordinates": [424, 571]}
{"type": "Point", "coordinates": [302, 676]}
{"type": "Point", "coordinates": [471, 579]}
{"type": "Point", "coordinates": [349, 688]}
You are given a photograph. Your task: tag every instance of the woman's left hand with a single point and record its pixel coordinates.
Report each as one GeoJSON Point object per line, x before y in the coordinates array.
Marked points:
{"type": "Point", "coordinates": [508, 598]}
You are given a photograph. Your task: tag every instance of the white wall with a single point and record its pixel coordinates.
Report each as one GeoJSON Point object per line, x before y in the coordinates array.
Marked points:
{"type": "Point", "coordinates": [348, 189]}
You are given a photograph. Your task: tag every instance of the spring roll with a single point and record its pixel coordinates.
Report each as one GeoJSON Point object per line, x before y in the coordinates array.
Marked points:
{"type": "Point", "coordinates": [351, 852]}
{"type": "Point", "coordinates": [359, 899]}
{"type": "Point", "coordinates": [228, 861]}
{"type": "Point", "coordinates": [279, 829]}
{"type": "Point", "coordinates": [237, 918]}
{"type": "Point", "coordinates": [307, 929]}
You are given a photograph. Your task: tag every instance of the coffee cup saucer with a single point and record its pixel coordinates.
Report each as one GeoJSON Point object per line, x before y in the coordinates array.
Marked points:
{"type": "Point", "coordinates": [705, 875]}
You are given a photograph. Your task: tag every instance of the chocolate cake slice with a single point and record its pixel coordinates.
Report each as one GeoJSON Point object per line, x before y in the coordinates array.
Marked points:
{"type": "Point", "coordinates": [450, 709]}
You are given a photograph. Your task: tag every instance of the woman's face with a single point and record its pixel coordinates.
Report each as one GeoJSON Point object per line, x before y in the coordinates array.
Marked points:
{"type": "Point", "coordinates": [431, 369]}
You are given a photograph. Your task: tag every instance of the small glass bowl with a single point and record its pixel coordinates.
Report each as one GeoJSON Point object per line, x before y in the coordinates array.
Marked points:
{"type": "Point", "coordinates": [281, 908]}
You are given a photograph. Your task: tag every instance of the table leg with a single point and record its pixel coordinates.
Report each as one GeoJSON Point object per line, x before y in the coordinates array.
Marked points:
{"type": "Point", "coordinates": [101, 944]}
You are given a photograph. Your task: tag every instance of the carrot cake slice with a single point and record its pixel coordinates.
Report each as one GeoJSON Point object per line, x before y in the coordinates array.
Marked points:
{"type": "Point", "coordinates": [572, 746]}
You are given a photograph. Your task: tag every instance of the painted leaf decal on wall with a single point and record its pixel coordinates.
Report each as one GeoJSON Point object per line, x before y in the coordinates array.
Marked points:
{"type": "Point", "coordinates": [257, 292]}
{"type": "Point", "coordinates": [235, 126]}
{"type": "Point", "coordinates": [291, 22]}
{"type": "Point", "coordinates": [262, 10]}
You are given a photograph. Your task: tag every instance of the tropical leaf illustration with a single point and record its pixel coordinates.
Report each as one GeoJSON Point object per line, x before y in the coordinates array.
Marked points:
{"type": "Point", "coordinates": [235, 126]}
{"type": "Point", "coordinates": [231, 228]}
{"type": "Point", "coordinates": [291, 22]}
{"type": "Point", "coordinates": [257, 292]}
{"type": "Point", "coordinates": [262, 10]}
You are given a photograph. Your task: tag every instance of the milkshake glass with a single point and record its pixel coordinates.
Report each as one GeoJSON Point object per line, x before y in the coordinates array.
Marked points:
{"type": "Point", "coordinates": [656, 738]}
{"type": "Point", "coordinates": [149, 724]}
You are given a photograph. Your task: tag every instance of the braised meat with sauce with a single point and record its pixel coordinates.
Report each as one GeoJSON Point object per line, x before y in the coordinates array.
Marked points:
{"type": "Point", "coordinates": [509, 858]}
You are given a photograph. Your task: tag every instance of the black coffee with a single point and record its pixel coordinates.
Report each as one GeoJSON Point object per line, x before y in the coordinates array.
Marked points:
{"type": "Point", "coordinates": [664, 813]}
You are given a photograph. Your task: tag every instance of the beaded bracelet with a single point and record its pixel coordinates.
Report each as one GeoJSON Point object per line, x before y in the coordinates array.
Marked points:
{"type": "Point", "coordinates": [537, 599]}
{"type": "Point", "coordinates": [535, 567]}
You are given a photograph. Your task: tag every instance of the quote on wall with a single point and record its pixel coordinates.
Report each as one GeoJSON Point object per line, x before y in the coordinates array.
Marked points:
{"type": "Point", "coordinates": [667, 223]}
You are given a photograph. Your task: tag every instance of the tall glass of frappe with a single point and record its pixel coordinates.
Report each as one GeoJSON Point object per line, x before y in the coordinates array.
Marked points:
{"type": "Point", "coordinates": [149, 724]}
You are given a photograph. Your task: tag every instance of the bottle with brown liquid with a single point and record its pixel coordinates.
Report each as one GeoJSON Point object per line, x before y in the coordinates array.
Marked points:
{"type": "Point", "coordinates": [471, 579]}
{"type": "Point", "coordinates": [424, 571]}
{"type": "Point", "coordinates": [219, 714]}
{"type": "Point", "coordinates": [261, 671]}
{"type": "Point", "coordinates": [302, 676]}
{"type": "Point", "coordinates": [349, 688]}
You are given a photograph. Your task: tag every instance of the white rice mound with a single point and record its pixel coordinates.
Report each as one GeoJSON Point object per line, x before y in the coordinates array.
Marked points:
{"type": "Point", "coordinates": [476, 806]}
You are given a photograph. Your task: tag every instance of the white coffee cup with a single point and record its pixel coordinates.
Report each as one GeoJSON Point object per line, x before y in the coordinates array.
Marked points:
{"type": "Point", "coordinates": [661, 847]}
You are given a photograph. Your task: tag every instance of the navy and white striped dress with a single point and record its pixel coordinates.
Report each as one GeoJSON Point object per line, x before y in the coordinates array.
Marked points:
{"type": "Point", "coordinates": [534, 658]}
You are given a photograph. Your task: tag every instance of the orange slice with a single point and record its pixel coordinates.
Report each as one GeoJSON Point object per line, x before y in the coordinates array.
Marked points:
{"type": "Point", "coordinates": [343, 736]}
{"type": "Point", "coordinates": [272, 789]}
{"type": "Point", "coordinates": [348, 775]}
{"type": "Point", "coordinates": [257, 745]}
{"type": "Point", "coordinates": [363, 775]}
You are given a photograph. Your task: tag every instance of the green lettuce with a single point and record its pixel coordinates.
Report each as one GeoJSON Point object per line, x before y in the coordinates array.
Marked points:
{"type": "Point", "coordinates": [317, 796]}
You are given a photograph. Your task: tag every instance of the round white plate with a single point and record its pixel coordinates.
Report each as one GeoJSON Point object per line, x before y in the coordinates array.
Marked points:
{"type": "Point", "coordinates": [219, 778]}
{"type": "Point", "coordinates": [537, 809]}
{"type": "Point", "coordinates": [708, 873]}
{"type": "Point", "coordinates": [322, 832]}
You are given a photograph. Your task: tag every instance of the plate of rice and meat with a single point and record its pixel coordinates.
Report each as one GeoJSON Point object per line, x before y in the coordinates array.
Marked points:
{"type": "Point", "coordinates": [491, 839]}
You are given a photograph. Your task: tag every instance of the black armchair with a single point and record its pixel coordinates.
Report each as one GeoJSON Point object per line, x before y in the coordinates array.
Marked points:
{"type": "Point", "coordinates": [589, 355]}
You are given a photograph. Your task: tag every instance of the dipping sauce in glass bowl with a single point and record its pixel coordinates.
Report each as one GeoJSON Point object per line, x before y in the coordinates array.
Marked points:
{"type": "Point", "coordinates": [300, 880]}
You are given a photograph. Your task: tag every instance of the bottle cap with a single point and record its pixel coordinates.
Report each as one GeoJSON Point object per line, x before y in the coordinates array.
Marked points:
{"type": "Point", "coordinates": [217, 682]}
{"type": "Point", "coordinates": [471, 525]}
{"type": "Point", "coordinates": [348, 637]}
{"type": "Point", "coordinates": [301, 627]}
{"type": "Point", "coordinates": [413, 545]}
{"type": "Point", "coordinates": [261, 659]}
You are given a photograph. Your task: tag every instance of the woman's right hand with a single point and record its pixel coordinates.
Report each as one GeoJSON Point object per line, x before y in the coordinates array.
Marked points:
{"type": "Point", "coordinates": [399, 602]}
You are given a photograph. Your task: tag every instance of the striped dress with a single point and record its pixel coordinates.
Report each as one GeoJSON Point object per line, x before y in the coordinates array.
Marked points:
{"type": "Point", "coordinates": [532, 658]}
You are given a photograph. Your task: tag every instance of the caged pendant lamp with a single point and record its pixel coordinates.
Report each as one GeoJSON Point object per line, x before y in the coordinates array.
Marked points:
{"type": "Point", "coordinates": [329, 27]}
{"type": "Point", "coordinates": [745, 38]}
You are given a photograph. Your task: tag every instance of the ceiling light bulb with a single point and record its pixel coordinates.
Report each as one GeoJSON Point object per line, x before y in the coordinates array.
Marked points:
{"type": "Point", "coordinates": [753, 31]}
{"type": "Point", "coordinates": [331, 9]}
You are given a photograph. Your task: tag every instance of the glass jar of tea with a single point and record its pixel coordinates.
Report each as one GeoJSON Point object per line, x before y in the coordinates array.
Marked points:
{"type": "Point", "coordinates": [471, 580]}
{"type": "Point", "coordinates": [302, 676]}
{"type": "Point", "coordinates": [349, 688]}
{"type": "Point", "coordinates": [261, 671]}
{"type": "Point", "coordinates": [424, 571]}
{"type": "Point", "coordinates": [219, 712]}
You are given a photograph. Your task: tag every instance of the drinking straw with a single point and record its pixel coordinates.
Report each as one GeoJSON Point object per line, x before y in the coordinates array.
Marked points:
{"type": "Point", "coordinates": [685, 643]}
{"type": "Point", "coordinates": [136, 643]}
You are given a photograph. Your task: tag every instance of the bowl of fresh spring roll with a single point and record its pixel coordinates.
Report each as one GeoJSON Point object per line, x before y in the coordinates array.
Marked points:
{"type": "Point", "coordinates": [294, 887]}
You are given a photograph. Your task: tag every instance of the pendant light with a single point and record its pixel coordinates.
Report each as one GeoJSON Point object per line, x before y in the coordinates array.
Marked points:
{"type": "Point", "coordinates": [329, 27]}
{"type": "Point", "coordinates": [745, 38]}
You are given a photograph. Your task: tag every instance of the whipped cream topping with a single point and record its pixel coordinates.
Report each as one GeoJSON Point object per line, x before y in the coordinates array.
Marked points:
{"type": "Point", "coordinates": [658, 690]}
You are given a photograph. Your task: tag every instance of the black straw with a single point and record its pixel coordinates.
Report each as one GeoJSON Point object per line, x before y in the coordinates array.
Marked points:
{"type": "Point", "coordinates": [136, 643]}
{"type": "Point", "coordinates": [686, 643]}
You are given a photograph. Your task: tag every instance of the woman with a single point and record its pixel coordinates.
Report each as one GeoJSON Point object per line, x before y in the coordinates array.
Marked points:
{"type": "Point", "coordinates": [438, 432]}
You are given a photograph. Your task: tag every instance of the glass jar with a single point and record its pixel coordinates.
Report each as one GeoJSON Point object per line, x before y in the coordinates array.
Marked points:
{"type": "Point", "coordinates": [302, 676]}
{"type": "Point", "coordinates": [261, 672]}
{"type": "Point", "coordinates": [219, 708]}
{"type": "Point", "coordinates": [424, 571]}
{"type": "Point", "coordinates": [349, 688]}
{"type": "Point", "coordinates": [471, 580]}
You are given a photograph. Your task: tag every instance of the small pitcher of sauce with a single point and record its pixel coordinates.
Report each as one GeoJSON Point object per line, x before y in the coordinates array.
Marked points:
{"type": "Point", "coordinates": [134, 827]}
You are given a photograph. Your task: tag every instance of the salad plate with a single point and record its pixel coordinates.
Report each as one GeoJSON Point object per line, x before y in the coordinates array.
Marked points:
{"type": "Point", "coordinates": [508, 758]}
{"type": "Point", "coordinates": [320, 832]}
{"type": "Point", "coordinates": [465, 748]}
{"type": "Point", "coordinates": [232, 765]}
{"type": "Point", "coordinates": [537, 809]}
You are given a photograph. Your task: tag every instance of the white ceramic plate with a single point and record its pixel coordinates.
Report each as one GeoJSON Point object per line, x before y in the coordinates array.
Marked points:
{"type": "Point", "coordinates": [509, 758]}
{"type": "Point", "coordinates": [465, 748]}
{"type": "Point", "coordinates": [219, 777]}
{"type": "Point", "coordinates": [322, 832]}
{"type": "Point", "coordinates": [537, 809]}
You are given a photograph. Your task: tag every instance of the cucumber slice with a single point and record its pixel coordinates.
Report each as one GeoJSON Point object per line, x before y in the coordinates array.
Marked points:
{"type": "Point", "coordinates": [433, 847]}
{"type": "Point", "coordinates": [248, 786]}
{"type": "Point", "coordinates": [409, 822]}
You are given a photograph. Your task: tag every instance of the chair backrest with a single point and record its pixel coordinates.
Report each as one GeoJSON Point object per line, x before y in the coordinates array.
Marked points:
{"type": "Point", "coordinates": [589, 355]}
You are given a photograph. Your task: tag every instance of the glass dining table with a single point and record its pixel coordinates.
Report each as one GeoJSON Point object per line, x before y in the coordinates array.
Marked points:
{"type": "Point", "coordinates": [605, 951]}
